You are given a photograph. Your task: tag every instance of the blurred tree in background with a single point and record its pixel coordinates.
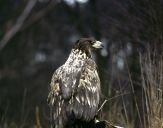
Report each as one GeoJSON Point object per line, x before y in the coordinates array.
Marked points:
{"type": "Point", "coordinates": [36, 37]}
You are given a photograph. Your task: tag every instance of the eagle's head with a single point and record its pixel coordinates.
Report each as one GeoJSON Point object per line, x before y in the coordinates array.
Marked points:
{"type": "Point", "coordinates": [87, 45]}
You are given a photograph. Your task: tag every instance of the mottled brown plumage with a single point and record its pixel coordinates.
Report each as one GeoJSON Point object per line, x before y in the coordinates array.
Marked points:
{"type": "Point", "coordinates": [75, 87]}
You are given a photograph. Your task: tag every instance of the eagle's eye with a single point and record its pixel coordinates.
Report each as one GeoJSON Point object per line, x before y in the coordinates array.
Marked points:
{"type": "Point", "coordinates": [93, 42]}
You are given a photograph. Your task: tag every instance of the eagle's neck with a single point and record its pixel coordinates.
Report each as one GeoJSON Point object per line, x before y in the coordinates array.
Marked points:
{"type": "Point", "coordinates": [77, 55]}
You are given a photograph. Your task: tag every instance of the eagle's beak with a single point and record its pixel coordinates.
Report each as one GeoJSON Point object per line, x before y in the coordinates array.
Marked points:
{"type": "Point", "coordinates": [97, 44]}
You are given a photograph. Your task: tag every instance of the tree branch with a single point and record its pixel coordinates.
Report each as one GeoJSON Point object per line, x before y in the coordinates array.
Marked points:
{"type": "Point", "coordinates": [18, 24]}
{"type": "Point", "coordinates": [35, 17]}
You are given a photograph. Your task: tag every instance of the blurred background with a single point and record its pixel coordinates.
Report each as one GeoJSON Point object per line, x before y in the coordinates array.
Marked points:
{"type": "Point", "coordinates": [36, 37]}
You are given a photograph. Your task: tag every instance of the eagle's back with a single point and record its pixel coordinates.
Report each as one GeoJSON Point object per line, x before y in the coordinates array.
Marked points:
{"type": "Point", "coordinates": [75, 91]}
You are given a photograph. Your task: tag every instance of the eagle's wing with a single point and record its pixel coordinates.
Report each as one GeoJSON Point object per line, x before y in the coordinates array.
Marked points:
{"type": "Point", "coordinates": [62, 88]}
{"type": "Point", "coordinates": [54, 90]}
{"type": "Point", "coordinates": [86, 99]}
{"type": "Point", "coordinates": [63, 84]}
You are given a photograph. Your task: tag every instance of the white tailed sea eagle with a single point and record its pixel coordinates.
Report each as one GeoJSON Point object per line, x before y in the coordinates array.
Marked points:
{"type": "Point", "coordinates": [75, 87]}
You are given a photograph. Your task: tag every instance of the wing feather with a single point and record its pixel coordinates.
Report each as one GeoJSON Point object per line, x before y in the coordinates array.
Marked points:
{"type": "Point", "coordinates": [54, 90]}
{"type": "Point", "coordinates": [56, 99]}
{"type": "Point", "coordinates": [88, 92]}
{"type": "Point", "coordinates": [62, 87]}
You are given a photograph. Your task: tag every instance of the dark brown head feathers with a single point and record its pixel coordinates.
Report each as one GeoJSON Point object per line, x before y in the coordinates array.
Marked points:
{"type": "Point", "coordinates": [87, 45]}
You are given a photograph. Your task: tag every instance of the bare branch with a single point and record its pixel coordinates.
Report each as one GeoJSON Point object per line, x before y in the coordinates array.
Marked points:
{"type": "Point", "coordinates": [18, 24]}
{"type": "Point", "coordinates": [37, 16]}
{"type": "Point", "coordinates": [111, 99]}
{"type": "Point", "coordinates": [102, 105]}
{"type": "Point", "coordinates": [110, 124]}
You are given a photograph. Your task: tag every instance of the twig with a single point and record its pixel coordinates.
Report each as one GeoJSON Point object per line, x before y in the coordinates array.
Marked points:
{"type": "Point", "coordinates": [102, 105]}
{"type": "Point", "coordinates": [18, 24]}
{"type": "Point", "coordinates": [111, 99]}
{"type": "Point", "coordinates": [37, 114]}
{"type": "Point", "coordinates": [23, 108]}
{"type": "Point", "coordinates": [134, 95]}
{"type": "Point", "coordinates": [37, 16]}
{"type": "Point", "coordinates": [110, 124]}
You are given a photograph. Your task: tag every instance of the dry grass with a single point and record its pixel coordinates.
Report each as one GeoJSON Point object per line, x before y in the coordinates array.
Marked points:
{"type": "Point", "coordinates": [152, 83]}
